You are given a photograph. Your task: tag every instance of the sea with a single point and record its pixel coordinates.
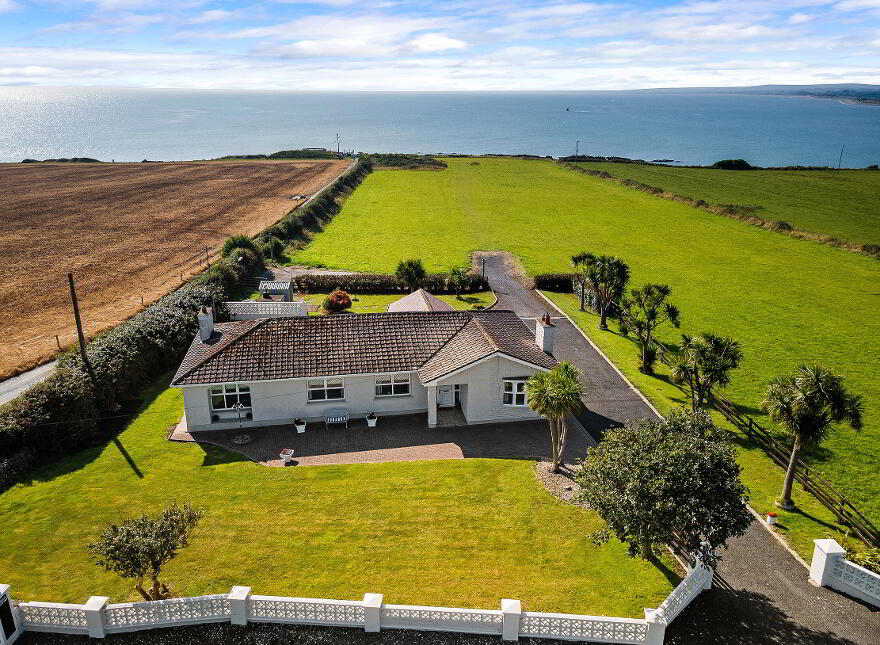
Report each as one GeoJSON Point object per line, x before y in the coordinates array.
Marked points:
{"type": "Point", "coordinates": [688, 127]}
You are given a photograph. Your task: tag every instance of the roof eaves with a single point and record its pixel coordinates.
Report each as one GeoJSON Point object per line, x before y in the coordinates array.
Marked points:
{"type": "Point", "coordinates": [220, 350]}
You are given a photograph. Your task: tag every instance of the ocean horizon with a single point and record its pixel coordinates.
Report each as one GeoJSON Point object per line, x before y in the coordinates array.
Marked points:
{"type": "Point", "coordinates": [688, 126]}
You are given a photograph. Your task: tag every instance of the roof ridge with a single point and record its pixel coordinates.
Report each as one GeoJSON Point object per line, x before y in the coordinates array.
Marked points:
{"type": "Point", "coordinates": [451, 338]}
{"type": "Point", "coordinates": [486, 334]}
{"type": "Point", "coordinates": [218, 350]}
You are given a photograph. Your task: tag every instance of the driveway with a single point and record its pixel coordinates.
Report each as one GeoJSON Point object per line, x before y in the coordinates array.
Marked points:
{"type": "Point", "coordinates": [761, 593]}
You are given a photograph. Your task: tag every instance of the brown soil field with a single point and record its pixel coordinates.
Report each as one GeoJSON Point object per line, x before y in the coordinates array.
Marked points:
{"type": "Point", "coordinates": [127, 232]}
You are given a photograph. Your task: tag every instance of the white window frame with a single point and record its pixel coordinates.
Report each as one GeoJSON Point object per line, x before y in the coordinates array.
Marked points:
{"type": "Point", "coordinates": [228, 390]}
{"type": "Point", "coordinates": [398, 381]}
{"type": "Point", "coordinates": [312, 386]}
{"type": "Point", "coordinates": [518, 388]}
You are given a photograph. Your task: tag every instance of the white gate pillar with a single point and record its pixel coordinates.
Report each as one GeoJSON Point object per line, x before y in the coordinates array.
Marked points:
{"type": "Point", "coordinates": [373, 611]}
{"type": "Point", "coordinates": [511, 613]}
{"type": "Point", "coordinates": [432, 405]}
{"type": "Point", "coordinates": [656, 627]}
{"type": "Point", "coordinates": [238, 605]}
{"type": "Point", "coordinates": [94, 610]}
{"type": "Point", "coordinates": [10, 624]}
{"type": "Point", "coordinates": [825, 554]}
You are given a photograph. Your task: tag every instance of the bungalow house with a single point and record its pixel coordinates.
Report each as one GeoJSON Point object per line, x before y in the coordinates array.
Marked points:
{"type": "Point", "coordinates": [270, 371]}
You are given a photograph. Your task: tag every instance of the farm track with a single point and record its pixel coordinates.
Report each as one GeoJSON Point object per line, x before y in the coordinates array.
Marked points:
{"type": "Point", "coordinates": [126, 231]}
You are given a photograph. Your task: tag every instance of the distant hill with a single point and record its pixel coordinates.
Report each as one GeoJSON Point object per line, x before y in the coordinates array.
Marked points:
{"type": "Point", "coordinates": [855, 91]}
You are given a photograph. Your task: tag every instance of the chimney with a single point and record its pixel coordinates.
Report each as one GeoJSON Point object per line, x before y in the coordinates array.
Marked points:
{"type": "Point", "coordinates": [206, 323]}
{"type": "Point", "coordinates": [544, 332]}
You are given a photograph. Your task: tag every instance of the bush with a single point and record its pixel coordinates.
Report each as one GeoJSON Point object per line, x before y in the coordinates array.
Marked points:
{"type": "Point", "coordinates": [732, 164]}
{"type": "Point", "coordinates": [270, 246]}
{"type": "Point", "coordinates": [238, 241]}
{"type": "Point", "coordinates": [782, 226]}
{"type": "Point", "coordinates": [388, 160]}
{"type": "Point", "coordinates": [373, 283]}
{"type": "Point", "coordinates": [337, 301]}
{"type": "Point", "coordinates": [561, 282]}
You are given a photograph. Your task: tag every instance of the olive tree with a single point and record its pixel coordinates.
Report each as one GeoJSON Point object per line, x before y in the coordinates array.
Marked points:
{"type": "Point", "coordinates": [641, 312]}
{"type": "Point", "coordinates": [139, 547]}
{"type": "Point", "coordinates": [457, 280]}
{"type": "Point", "coordinates": [666, 482]}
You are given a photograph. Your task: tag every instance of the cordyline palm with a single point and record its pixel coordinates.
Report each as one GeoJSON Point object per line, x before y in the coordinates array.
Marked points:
{"type": "Point", "coordinates": [704, 362]}
{"type": "Point", "coordinates": [411, 273]}
{"type": "Point", "coordinates": [643, 311]}
{"type": "Point", "coordinates": [606, 276]}
{"type": "Point", "coordinates": [457, 280]}
{"type": "Point", "coordinates": [554, 394]}
{"type": "Point", "coordinates": [807, 403]}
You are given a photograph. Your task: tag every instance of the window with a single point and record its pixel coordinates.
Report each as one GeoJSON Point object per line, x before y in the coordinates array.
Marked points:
{"type": "Point", "coordinates": [226, 397]}
{"type": "Point", "coordinates": [392, 384]}
{"type": "Point", "coordinates": [514, 393]}
{"type": "Point", "coordinates": [326, 389]}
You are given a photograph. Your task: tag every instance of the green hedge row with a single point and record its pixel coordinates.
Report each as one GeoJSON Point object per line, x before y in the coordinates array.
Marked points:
{"type": "Point", "coordinates": [368, 283]}
{"type": "Point", "coordinates": [561, 282]}
{"type": "Point", "coordinates": [67, 412]}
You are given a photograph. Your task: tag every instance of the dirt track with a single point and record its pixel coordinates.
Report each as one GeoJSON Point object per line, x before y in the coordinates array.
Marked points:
{"type": "Point", "coordinates": [126, 231]}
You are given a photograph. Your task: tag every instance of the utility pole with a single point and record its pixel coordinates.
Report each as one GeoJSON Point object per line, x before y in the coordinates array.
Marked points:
{"type": "Point", "coordinates": [337, 143]}
{"type": "Point", "coordinates": [577, 147]}
{"type": "Point", "coordinates": [840, 158]}
{"type": "Point", "coordinates": [79, 332]}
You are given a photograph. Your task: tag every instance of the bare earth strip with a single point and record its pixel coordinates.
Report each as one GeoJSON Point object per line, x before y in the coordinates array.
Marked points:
{"type": "Point", "coordinates": [126, 231]}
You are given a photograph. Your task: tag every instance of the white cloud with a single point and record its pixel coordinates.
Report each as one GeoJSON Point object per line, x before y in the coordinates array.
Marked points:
{"type": "Point", "coordinates": [433, 42]}
{"type": "Point", "coordinates": [800, 18]}
{"type": "Point", "coordinates": [857, 5]}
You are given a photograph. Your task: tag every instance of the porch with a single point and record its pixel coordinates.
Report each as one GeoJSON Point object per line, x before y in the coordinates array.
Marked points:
{"type": "Point", "coordinates": [395, 438]}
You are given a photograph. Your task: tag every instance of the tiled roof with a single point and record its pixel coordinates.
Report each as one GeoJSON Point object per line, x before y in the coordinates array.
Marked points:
{"type": "Point", "coordinates": [280, 348]}
{"type": "Point", "coordinates": [420, 300]}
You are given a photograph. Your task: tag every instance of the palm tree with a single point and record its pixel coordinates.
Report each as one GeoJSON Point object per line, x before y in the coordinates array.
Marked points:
{"type": "Point", "coordinates": [554, 394]}
{"type": "Point", "coordinates": [457, 280]}
{"type": "Point", "coordinates": [411, 273]}
{"type": "Point", "coordinates": [606, 276]}
{"type": "Point", "coordinates": [704, 362]}
{"type": "Point", "coordinates": [807, 403]}
{"type": "Point", "coordinates": [641, 312]}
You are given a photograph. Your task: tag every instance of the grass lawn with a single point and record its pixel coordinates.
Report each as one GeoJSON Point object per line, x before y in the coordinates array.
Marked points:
{"type": "Point", "coordinates": [450, 533]}
{"type": "Point", "coordinates": [785, 300]}
{"type": "Point", "coordinates": [842, 204]}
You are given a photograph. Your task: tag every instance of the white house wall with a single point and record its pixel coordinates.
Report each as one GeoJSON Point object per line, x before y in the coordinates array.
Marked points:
{"type": "Point", "coordinates": [482, 402]}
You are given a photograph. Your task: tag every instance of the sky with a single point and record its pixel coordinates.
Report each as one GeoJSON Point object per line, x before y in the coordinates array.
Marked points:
{"type": "Point", "coordinates": [437, 45]}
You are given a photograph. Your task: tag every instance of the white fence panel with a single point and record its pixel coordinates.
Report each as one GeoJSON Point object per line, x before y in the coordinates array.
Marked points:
{"type": "Point", "coordinates": [129, 616]}
{"type": "Point", "coordinates": [251, 309]}
{"type": "Point", "coordinates": [697, 580]}
{"type": "Point", "coordinates": [583, 628]}
{"type": "Point", "coordinates": [855, 580]}
{"type": "Point", "coordinates": [305, 611]}
{"type": "Point", "coordinates": [445, 619]}
{"type": "Point", "coordinates": [53, 617]}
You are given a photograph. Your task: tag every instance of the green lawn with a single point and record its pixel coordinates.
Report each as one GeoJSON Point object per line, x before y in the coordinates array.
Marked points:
{"type": "Point", "coordinates": [785, 300]}
{"type": "Point", "coordinates": [450, 533]}
{"type": "Point", "coordinates": [843, 204]}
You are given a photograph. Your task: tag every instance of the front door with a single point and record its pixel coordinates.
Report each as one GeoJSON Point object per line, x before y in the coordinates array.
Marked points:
{"type": "Point", "coordinates": [446, 396]}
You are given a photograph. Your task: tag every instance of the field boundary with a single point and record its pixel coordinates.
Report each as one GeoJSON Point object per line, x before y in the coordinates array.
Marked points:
{"type": "Point", "coordinates": [739, 213]}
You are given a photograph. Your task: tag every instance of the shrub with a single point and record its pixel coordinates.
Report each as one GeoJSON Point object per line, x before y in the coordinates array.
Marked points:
{"type": "Point", "coordinates": [782, 226]}
{"type": "Point", "coordinates": [562, 282]}
{"type": "Point", "coordinates": [337, 301]}
{"type": "Point", "coordinates": [372, 283]}
{"type": "Point", "coordinates": [270, 246]}
{"type": "Point", "coordinates": [408, 161]}
{"type": "Point", "coordinates": [733, 164]}
{"type": "Point", "coordinates": [237, 241]}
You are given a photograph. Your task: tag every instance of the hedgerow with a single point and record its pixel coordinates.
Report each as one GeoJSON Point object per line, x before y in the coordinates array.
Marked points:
{"type": "Point", "coordinates": [67, 411]}
{"type": "Point", "coordinates": [371, 283]}
{"type": "Point", "coordinates": [561, 282]}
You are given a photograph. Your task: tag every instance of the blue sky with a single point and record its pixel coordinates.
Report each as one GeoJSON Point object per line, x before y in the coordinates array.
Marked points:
{"type": "Point", "coordinates": [437, 45]}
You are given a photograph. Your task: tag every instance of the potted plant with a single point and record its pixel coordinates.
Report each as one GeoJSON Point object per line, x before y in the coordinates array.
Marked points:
{"type": "Point", "coordinates": [300, 425]}
{"type": "Point", "coordinates": [286, 456]}
{"type": "Point", "coordinates": [372, 419]}
{"type": "Point", "coordinates": [771, 518]}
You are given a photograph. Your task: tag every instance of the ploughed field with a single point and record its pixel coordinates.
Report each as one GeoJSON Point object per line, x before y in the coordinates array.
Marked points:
{"type": "Point", "coordinates": [126, 231]}
{"type": "Point", "coordinates": [785, 300]}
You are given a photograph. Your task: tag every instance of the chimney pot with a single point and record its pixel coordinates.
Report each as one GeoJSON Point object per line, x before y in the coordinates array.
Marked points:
{"type": "Point", "coordinates": [545, 330]}
{"type": "Point", "coordinates": [206, 323]}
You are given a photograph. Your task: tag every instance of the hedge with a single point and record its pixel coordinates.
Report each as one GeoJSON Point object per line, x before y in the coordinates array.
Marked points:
{"type": "Point", "coordinates": [66, 412]}
{"type": "Point", "coordinates": [561, 282]}
{"type": "Point", "coordinates": [368, 283]}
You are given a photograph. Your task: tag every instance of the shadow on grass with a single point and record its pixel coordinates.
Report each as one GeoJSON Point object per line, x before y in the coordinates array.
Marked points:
{"type": "Point", "coordinates": [827, 525]}
{"type": "Point", "coordinates": [670, 574]}
{"type": "Point", "coordinates": [127, 457]}
{"type": "Point", "coordinates": [215, 455]}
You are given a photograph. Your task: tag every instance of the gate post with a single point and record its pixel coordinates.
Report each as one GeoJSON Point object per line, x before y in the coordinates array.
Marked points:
{"type": "Point", "coordinates": [656, 627]}
{"type": "Point", "coordinates": [94, 609]}
{"type": "Point", "coordinates": [10, 624]}
{"type": "Point", "coordinates": [238, 605]}
{"type": "Point", "coordinates": [373, 611]}
{"type": "Point", "coordinates": [511, 613]}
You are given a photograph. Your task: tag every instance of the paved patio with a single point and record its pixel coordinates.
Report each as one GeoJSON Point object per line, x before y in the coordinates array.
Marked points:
{"type": "Point", "coordinates": [395, 438]}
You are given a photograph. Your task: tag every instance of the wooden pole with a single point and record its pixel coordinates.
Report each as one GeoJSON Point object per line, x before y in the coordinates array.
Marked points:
{"type": "Point", "coordinates": [207, 257]}
{"type": "Point", "coordinates": [57, 342]}
{"type": "Point", "coordinates": [79, 332]}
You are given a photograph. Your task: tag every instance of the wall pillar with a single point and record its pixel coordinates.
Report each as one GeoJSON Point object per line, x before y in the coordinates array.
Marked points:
{"type": "Point", "coordinates": [10, 624]}
{"type": "Point", "coordinates": [432, 405]}
{"type": "Point", "coordinates": [94, 609]}
{"type": "Point", "coordinates": [373, 612]}
{"type": "Point", "coordinates": [656, 628]}
{"type": "Point", "coordinates": [511, 611]}
{"type": "Point", "coordinates": [238, 605]}
{"type": "Point", "coordinates": [825, 554]}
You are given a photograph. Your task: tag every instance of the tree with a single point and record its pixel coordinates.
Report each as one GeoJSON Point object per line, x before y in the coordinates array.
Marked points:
{"type": "Point", "coordinates": [457, 280]}
{"type": "Point", "coordinates": [704, 362]}
{"type": "Point", "coordinates": [666, 482]}
{"type": "Point", "coordinates": [642, 312]}
{"type": "Point", "coordinates": [807, 403]}
{"type": "Point", "coordinates": [554, 394]}
{"type": "Point", "coordinates": [139, 547]}
{"type": "Point", "coordinates": [337, 301]}
{"type": "Point", "coordinates": [606, 276]}
{"type": "Point", "coordinates": [411, 273]}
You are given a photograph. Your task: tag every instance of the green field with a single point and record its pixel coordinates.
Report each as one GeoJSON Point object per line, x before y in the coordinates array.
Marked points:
{"type": "Point", "coordinates": [843, 204]}
{"type": "Point", "coordinates": [785, 300]}
{"type": "Point", "coordinates": [450, 533]}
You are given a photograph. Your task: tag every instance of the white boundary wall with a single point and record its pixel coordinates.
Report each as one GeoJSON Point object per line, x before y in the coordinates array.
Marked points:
{"type": "Point", "coordinates": [251, 309]}
{"type": "Point", "coordinates": [98, 618]}
{"type": "Point", "coordinates": [830, 568]}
